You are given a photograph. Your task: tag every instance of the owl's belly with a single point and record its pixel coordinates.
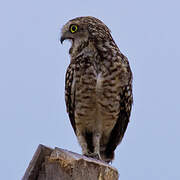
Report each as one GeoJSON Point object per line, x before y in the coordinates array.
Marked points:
{"type": "Point", "coordinates": [96, 107]}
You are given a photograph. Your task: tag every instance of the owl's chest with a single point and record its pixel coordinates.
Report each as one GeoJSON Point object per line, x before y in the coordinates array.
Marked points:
{"type": "Point", "coordinates": [90, 77]}
{"type": "Point", "coordinates": [94, 81]}
{"type": "Point", "coordinates": [94, 99]}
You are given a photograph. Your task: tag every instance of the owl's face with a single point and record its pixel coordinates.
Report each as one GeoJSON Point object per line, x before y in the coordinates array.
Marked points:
{"type": "Point", "coordinates": [82, 29]}
{"type": "Point", "coordinates": [75, 31]}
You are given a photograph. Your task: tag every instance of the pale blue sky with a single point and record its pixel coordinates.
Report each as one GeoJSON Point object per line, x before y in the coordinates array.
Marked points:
{"type": "Point", "coordinates": [32, 72]}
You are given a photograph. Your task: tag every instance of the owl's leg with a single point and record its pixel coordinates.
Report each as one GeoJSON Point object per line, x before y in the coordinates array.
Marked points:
{"type": "Point", "coordinates": [83, 143]}
{"type": "Point", "coordinates": [96, 147]}
{"type": "Point", "coordinates": [96, 143]}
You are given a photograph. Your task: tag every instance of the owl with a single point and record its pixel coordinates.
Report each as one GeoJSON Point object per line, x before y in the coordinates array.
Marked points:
{"type": "Point", "coordinates": [98, 87]}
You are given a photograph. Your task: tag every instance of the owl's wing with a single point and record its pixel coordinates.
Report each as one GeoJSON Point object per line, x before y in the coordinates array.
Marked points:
{"type": "Point", "coordinates": [125, 104]}
{"type": "Point", "coordinates": [70, 95]}
{"type": "Point", "coordinates": [121, 124]}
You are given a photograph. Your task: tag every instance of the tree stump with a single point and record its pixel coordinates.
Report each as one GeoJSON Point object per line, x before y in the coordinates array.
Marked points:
{"type": "Point", "coordinates": [60, 164]}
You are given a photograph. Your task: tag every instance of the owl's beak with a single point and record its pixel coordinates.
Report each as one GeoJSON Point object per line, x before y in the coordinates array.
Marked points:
{"type": "Point", "coordinates": [62, 39]}
{"type": "Point", "coordinates": [64, 36]}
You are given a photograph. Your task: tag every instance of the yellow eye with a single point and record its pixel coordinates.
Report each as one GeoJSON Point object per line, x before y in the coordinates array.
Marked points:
{"type": "Point", "coordinates": [73, 28]}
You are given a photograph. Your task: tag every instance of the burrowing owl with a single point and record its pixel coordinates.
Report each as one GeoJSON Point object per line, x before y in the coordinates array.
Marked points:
{"type": "Point", "coordinates": [98, 87]}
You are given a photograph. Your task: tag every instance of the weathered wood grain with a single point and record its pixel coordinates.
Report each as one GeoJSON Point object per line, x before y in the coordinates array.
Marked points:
{"type": "Point", "coordinates": [60, 164]}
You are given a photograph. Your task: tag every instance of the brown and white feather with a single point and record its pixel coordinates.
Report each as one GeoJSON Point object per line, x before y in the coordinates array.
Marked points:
{"type": "Point", "coordinates": [98, 88]}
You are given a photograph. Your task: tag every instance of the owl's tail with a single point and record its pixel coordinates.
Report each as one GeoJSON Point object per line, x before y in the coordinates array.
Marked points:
{"type": "Point", "coordinates": [107, 156]}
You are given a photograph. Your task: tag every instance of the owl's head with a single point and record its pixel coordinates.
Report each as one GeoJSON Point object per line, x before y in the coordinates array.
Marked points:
{"type": "Point", "coordinates": [83, 29]}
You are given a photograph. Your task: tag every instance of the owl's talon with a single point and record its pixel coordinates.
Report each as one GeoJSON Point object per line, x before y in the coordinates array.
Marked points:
{"type": "Point", "coordinates": [93, 155]}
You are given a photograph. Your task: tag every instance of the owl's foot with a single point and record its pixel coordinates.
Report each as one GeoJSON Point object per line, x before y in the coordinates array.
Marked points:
{"type": "Point", "coordinates": [93, 155]}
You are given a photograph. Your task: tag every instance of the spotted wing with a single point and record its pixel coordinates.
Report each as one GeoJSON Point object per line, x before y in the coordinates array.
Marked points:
{"type": "Point", "coordinates": [125, 105]}
{"type": "Point", "coordinates": [70, 94]}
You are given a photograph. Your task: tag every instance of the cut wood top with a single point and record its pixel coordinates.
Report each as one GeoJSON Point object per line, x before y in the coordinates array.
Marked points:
{"type": "Point", "coordinates": [61, 164]}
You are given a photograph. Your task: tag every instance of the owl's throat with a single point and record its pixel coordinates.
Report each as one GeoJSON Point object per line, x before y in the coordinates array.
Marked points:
{"type": "Point", "coordinates": [77, 46]}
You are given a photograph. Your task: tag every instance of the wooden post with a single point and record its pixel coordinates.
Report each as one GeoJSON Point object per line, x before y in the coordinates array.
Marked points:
{"type": "Point", "coordinates": [60, 164]}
